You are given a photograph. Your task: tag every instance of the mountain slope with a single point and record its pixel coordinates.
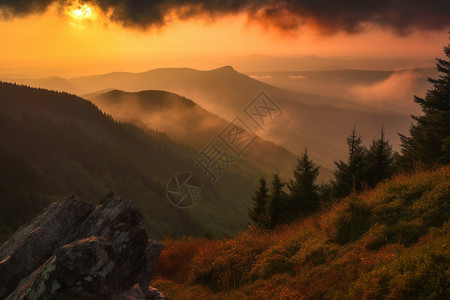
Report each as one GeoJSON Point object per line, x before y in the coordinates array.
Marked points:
{"type": "Point", "coordinates": [55, 144]}
{"type": "Point", "coordinates": [320, 123]}
{"type": "Point", "coordinates": [391, 90]}
{"type": "Point", "coordinates": [261, 63]}
{"type": "Point", "coordinates": [185, 121]}
{"type": "Point", "coordinates": [388, 243]}
{"type": "Point", "coordinates": [50, 83]}
{"type": "Point", "coordinates": [195, 83]}
{"type": "Point", "coordinates": [317, 122]}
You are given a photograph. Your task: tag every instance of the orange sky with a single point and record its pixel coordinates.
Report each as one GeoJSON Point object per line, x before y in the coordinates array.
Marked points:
{"type": "Point", "coordinates": [64, 44]}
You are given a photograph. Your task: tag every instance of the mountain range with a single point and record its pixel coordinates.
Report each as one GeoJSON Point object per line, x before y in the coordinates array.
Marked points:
{"type": "Point", "coordinates": [185, 121]}
{"type": "Point", "coordinates": [55, 144]}
{"type": "Point", "coordinates": [389, 89]}
{"type": "Point", "coordinates": [309, 120]}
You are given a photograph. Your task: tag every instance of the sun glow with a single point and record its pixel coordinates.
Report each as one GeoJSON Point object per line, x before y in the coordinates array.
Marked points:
{"type": "Point", "coordinates": [82, 12]}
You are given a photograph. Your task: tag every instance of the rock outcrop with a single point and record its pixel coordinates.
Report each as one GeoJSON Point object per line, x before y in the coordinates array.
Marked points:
{"type": "Point", "coordinates": [73, 250]}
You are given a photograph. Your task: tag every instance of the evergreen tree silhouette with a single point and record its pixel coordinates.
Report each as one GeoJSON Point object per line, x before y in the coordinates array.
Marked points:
{"type": "Point", "coordinates": [352, 174]}
{"type": "Point", "coordinates": [275, 202]}
{"type": "Point", "coordinates": [258, 215]}
{"type": "Point", "coordinates": [380, 158]}
{"type": "Point", "coordinates": [304, 196]}
{"type": "Point", "coordinates": [429, 139]}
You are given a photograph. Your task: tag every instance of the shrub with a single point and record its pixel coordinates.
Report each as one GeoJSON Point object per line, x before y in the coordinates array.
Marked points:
{"type": "Point", "coordinates": [419, 272]}
{"type": "Point", "coordinates": [227, 265]}
{"type": "Point", "coordinates": [391, 242]}
{"type": "Point", "coordinates": [273, 261]}
{"type": "Point", "coordinates": [177, 255]}
{"type": "Point", "coordinates": [348, 220]}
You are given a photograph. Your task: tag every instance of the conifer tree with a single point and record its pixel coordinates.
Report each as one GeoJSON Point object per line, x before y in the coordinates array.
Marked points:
{"type": "Point", "coordinates": [275, 202]}
{"type": "Point", "coordinates": [258, 215]}
{"type": "Point", "coordinates": [304, 196]}
{"type": "Point", "coordinates": [351, 175]}
{"type": "Point", "coordinates": [429, 138]}
{"type": "Point", "coordinates": [380, 157]}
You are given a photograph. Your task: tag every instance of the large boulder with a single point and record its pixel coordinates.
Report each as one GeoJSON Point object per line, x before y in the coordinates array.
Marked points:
{"type": "Point", "coordinates": [73, 250]}
{"type": "Point", "coordinates": [122, 224]}
{"type": "Point", "coordinates": [36, 241]}
{"type": "Point", "coordinates": [152, 252]}
{"type": "Point", "coordinates": [83, 269]}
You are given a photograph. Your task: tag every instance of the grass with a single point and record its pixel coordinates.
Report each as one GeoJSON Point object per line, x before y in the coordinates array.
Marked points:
{"type": "Point", "coordinates": [388, 243]}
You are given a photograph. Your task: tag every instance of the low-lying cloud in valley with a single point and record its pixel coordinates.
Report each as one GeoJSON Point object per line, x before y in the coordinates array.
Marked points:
{"type": "Point", "coordinates": [396, 92]}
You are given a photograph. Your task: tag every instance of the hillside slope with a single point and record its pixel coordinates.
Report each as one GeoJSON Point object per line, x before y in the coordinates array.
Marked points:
{"type": "Point", "coordinates": [391, 242]}
{"type": "Point", "coordinates": [185, 121]}
{"type": "Point", "coordinates": [262, 63]}
{"type": "Point", "coordinates": [56, 144]}
{"type": "Point", "coordinates": [318, 122]}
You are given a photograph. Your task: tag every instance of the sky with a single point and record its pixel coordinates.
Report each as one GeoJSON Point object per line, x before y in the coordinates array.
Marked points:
{"type": "Point", "coordinates": [72, 38]}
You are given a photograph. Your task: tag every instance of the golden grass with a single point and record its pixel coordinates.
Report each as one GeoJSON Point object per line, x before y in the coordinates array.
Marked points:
{"type": "Point", "coordinates": [390, 242]}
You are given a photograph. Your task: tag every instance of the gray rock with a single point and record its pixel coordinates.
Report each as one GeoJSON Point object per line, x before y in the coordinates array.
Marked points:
{"type": "Point", "coordinates": [135, 293]}
{"type": "Point", "coordinates": [72, 250]}
{"type": "Point", "coordinates": [154, 294]}
{"type": "Point", "coordinates": [81, 270]}
{"type": "Point", "coordinates": [36, 241]}
{"type": "Point", "coordinates": [122, 223]}
{"type": "Point", "coordinates": [153, 251]}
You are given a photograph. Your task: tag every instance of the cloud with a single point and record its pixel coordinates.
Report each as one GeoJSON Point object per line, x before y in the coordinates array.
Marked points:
{"type": "Point", "coordinates": [329, 16]}
{"type": "Point", "coordinates": [395, 92]}
{"type": "Point", "coordinates": [297, 77]}
{"type": "Point", "coordinates": [261, 76]}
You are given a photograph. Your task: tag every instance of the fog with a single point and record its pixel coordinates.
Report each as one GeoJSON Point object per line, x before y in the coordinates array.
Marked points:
{"type": "Point", "coordinates": [395, 93]}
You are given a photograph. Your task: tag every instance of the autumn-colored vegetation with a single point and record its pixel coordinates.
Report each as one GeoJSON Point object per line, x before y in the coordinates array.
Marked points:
{"type": "Point", "coordinates": [391, 242]}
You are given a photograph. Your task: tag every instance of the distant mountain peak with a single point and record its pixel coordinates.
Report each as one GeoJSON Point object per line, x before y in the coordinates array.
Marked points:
{"type": "Point", "coordinates": [226, 68]}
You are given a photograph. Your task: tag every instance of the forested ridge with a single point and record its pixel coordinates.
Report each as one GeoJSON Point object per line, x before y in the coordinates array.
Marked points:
{"type": "Point", "coordinates": [56, 144]}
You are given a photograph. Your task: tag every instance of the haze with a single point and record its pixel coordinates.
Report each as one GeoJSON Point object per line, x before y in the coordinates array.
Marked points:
{"type": "Point", "coordinates": [347, 64]}
{"type": "Point", "coordinates": [75, 39]}
{"type": "Point", "coordinates": [278, 149]}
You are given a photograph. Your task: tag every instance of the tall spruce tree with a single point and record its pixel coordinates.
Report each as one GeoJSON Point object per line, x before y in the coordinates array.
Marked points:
{"type": "Point", "coordinates": [380, 158]}
{"type": "Point", "coordinates": [258, 214]}
{"type": "Point", "coordinates": [304, 197]}
{"type": "Point", "coordinates": [277, 195]}
{"type": "Point", "coordinates": [429, 140]}
{"type": "Point", "coordinates": [351, 175]}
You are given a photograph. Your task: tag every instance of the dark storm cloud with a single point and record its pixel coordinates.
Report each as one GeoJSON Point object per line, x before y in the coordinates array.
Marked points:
{"type": "Point", "coordinates": [10, 8]}
{"type": "Point", "coordinates": [330, 16]}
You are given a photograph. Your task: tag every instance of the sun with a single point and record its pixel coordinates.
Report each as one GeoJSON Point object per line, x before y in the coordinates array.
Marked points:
{"type": "Point", "coordinates": [82, 12]}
